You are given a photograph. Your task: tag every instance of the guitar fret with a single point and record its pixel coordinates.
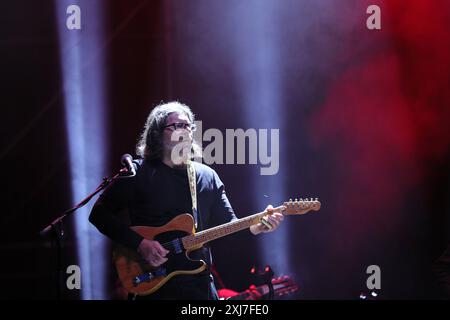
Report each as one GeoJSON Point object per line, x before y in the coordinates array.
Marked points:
{"type": "Point", "coordinates": [221, 231]}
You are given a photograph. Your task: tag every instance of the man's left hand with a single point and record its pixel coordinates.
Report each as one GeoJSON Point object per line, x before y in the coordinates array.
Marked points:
{"type": "Point", "coordinates": [273, 218]}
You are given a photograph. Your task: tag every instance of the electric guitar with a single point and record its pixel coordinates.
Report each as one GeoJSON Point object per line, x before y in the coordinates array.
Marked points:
{"type": "Point", "coordinates": [179, 237]}
{"type": "Point", "coordinates": [281, 286]}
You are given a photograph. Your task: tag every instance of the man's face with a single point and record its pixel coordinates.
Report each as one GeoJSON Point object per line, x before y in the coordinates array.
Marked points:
{"type": "Point", "coordinates": [172, 136]}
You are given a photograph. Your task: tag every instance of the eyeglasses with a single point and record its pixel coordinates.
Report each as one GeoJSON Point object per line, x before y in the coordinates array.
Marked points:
{"type": "Point", "coordinates": [181, 125]}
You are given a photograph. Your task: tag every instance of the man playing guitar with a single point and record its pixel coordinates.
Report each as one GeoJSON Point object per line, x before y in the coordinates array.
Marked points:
{"type": "Point", "coordinates": [165, 199]}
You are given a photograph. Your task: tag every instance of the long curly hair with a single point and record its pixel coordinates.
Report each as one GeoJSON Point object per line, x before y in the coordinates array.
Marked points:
{"type": "Point", "coordinates": [150, 144]}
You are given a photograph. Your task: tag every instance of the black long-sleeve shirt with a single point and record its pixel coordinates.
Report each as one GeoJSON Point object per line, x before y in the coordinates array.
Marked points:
{"type": "Point", "coordinates": [156, 195]}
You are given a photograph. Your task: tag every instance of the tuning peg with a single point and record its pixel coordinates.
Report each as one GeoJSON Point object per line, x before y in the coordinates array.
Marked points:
{"type": "Point", "coordinates": [296, 199]}
{"type": "Point", "coordinates": [317, 199]}
{"type": "Point", "coordinates": [290, 200]}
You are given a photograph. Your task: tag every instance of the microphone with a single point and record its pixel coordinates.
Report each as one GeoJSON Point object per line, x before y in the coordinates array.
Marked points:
{"type": "Point", "coordinates": [127, 161]}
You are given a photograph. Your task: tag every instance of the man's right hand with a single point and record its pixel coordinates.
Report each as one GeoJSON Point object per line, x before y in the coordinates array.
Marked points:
{"type": "Point", "coordinates": [152, 252]}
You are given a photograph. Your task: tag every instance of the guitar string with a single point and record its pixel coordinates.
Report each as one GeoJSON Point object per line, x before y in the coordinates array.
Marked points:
{"type": "Point", "coordinates": [167, 245]}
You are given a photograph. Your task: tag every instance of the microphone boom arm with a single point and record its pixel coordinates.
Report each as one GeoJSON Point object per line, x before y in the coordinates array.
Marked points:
{"type": "Point", "coordinates": [55, 228]}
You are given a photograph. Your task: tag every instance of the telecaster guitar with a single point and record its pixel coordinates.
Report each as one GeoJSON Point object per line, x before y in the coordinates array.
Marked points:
{"type": "Point", "coordinates": [178, 236]}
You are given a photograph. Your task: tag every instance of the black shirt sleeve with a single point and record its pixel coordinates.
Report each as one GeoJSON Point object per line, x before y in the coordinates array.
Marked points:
{"type": "Point", "coordinates": [222, 212]}
{"type": "Point", "coordinates": [105, 213]}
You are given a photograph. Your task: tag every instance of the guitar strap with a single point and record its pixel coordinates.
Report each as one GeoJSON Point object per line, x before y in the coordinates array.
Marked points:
{"type": "Point", "coordinates": [193, 188]}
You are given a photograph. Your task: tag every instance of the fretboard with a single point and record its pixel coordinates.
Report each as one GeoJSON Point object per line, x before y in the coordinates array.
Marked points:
{"type": "Point", "coordinates": [221, 231]}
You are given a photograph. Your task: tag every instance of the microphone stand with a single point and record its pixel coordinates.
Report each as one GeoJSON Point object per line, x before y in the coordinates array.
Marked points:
{"type": "Point", "coordinates": [56, 231]}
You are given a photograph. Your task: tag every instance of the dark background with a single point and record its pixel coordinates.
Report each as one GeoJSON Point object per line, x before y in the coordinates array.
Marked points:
{"type": "Point", "coordinates": [363, 124]}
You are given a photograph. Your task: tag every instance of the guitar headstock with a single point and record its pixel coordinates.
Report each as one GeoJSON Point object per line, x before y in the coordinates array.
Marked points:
{"type": "Point", "coordinates": [301, 206]}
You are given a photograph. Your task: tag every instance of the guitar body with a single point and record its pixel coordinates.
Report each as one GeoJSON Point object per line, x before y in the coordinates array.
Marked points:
{"type": "Point", "coordinates": [138, 277]}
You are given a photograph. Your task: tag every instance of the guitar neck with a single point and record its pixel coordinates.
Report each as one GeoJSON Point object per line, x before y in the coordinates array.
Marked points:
{"type": "Point", "coordinates": [288, 208]}
{"type": "Point", "coordinates": [223, 230]}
